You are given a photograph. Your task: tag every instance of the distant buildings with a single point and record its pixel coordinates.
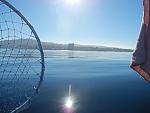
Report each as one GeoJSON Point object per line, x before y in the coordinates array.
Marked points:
{"type": "Point", "coordinates": [71, 46]}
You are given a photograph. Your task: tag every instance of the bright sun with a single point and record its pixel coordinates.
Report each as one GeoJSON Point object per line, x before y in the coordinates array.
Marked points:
{"type": "Point", "coordinates": [73, 2]}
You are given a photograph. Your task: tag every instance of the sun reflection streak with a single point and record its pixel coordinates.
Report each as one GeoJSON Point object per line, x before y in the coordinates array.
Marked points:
{"type": "Point", "coordinates": [69, 102]}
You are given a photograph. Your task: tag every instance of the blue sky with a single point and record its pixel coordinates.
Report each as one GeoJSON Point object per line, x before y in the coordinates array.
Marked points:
{"type": "Point", "coordinates": [101, 22]}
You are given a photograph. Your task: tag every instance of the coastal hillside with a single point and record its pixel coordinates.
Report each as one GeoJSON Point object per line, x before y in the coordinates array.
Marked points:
{"type": "Point", "coordinates": [32, 44]}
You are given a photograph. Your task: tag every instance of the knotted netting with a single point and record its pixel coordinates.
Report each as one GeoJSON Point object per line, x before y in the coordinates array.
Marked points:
{"type": "Point", "coordinates": [21, 60]}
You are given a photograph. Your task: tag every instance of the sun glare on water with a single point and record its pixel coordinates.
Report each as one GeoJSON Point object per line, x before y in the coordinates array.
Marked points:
{"type": "Point", "coordinates": [69, 103]}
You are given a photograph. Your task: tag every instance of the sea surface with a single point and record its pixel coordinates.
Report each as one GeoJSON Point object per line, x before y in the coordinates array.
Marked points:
{"type": "Point", "coordinates": [102, 82]}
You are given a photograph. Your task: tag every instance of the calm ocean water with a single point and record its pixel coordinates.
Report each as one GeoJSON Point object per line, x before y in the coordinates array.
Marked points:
{"type": "Point", "coordinates": [84, 64]}
{"type": "Point", "coordinates": [102, 82]}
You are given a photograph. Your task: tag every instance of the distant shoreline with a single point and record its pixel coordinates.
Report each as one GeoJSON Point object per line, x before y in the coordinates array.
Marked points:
{"type": "Point", "coordinates": [32, 44]}
{"type": "Point", "coordinates": [84, 50]}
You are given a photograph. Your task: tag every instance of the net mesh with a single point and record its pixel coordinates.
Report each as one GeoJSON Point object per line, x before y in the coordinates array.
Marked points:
{"type": "Point", "coordinates": [20, 61]}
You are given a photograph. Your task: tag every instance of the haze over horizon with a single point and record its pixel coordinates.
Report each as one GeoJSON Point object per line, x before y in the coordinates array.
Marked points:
{"type": "Point", "coordinates": [110, 23]}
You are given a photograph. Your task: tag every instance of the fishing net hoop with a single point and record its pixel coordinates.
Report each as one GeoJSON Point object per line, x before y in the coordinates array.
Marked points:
{"type": "Point", "coordinates": [27, 102]}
